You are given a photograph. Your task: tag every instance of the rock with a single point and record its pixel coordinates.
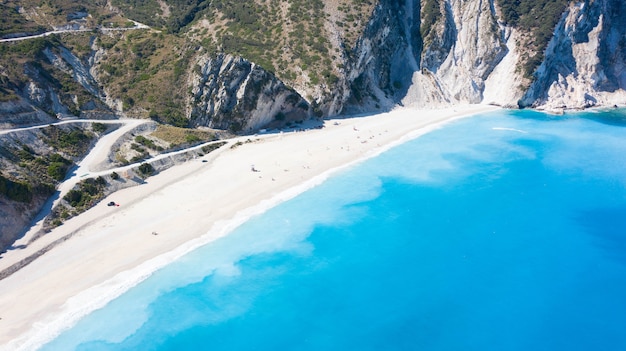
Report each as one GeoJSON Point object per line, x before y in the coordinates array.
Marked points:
{"type": "Point", "coordinates": [20, 112]}
{"type": "Point", "coordinates": [232, 93]}
{"type": "Point", "coordinates": [467, 56]}
{"type": "Point", "coordinates": [395, 64]}
{"type": "Point", "coordinates": [384, 59]}
{"type": "Point", "coordinates": [585, 60]}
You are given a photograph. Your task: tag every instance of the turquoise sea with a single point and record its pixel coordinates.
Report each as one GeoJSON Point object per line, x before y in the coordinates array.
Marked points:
{"type": "Point", "coordinates": [504, 231]}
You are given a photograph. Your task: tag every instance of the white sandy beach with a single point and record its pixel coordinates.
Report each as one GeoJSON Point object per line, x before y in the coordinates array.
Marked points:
{"type": "Point", "coordinates": [185, 206]}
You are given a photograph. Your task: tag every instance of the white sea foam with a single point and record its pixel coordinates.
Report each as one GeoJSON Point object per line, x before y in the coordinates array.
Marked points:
{"type": "Point", "coordinates": [510, 129]}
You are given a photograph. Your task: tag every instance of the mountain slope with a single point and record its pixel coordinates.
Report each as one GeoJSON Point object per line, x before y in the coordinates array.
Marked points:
{"type": "Point", "coordinates": [338, 56]}
{"type": "Point", "coordinates": [243, 66]}
{"type": "Point", "coordinates": [585, 61]}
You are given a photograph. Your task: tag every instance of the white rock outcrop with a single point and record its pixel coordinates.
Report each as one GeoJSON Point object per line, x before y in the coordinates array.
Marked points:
{"type": "Point", "coordinates": [229, 92]}
{"type": "Point", "coordinates": [502, 86]}
{"type": "Point", "coordinates": [444, 64]}
{"type": "Point", "coordinates": [468, 56]}
{"type": "Point", "coordinates": [585, 60]}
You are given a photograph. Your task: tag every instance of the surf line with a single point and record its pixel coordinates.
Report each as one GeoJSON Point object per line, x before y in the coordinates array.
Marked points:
{"type": "Point", "coordinates": [511, 129]}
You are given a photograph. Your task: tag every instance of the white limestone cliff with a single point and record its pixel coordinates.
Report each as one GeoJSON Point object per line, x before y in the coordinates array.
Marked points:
{"type": "Point", "coordinates": [585, 60]}
{"type": "Point", "coordinates": [464, 55]}
{"type": "Point", "coordinates": [229, 92]}
{"type": "Point", "coordinates": [449, 64]}
{"type": "Point", "coordinates": [469, 56]}
{"type": "Point", "coordinates": [502, 86]}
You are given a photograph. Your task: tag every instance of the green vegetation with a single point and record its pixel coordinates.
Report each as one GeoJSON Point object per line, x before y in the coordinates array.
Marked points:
{"type": "Point", "coordinates": [239, 143]}
{"type": "Point", "coordinates": [146, 71]}
{"type": "Point", "coordinates": [5, 93]}
{"type": "Point", "coordinates": [84, 196]}
{"type": "Point", "coordinates": [23, 61]}
{"type": "Point", "coordinates": [151, 13]}
{"type": "Point", "coordinates": [26, 50]}
{"type": "Point", "coordinates": [44, 169]}
{"type": "Point", "coordinates": [431, 12]}
{"type": "Point", "coordinates": [16, 191]}
{"type": "Point", "coordinates": [74, 142]}
{"type": "Point", "coordinates": [42, 15]}
{"type": "Point", "coordinates": [14, 22]}
{"type": "Point", "coordinates": [36, 168]}
{"type": "Point", "coordinates": [192, 139]}
{"type": "Point", "coordinates": [355, 15]}
{"type": "Point", "coordinates": [538, 18]}
{"type": "Point", "coordinates": [147, 143]}
{"type": "Point", "coordinates": [26, 153]}
{"type": "Point", "coordinates": [58, 166]}
{"type": "Point", "coordinates": [146, 169]}
{"type": "Point", "coordinates": [176, 136]}
{"type": "Point", "coordinates": [236, 145]}
{"type": "Point", "coordinates": [88, 193]}
{"type": "Point", "coordinates": [285, 36]}
{"type": "Point", "coordinates": [78, 44]}
{"type": "Point", "coordinates": [208, 148]}
{"type": "Point", "coordinates": [137, 148]}
{"type": "Point", "coordinates": [22, 191]}
{"type": "Point", "coordinates": [247, 31]}
{"type": "Point", "coordinates": [98, 127]}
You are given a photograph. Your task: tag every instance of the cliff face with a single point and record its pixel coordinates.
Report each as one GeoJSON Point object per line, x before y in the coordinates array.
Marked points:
{"type": "Point", "coordinates": [21, 112]}
{"type": "Point", "coordinates": [365, 58]}
{"type": "Point", "coordinates": [427, 53]}
{"type": "Point", "coordinates": [54, 83]}
{"type": "Point", "coordinates": [235, 94]}
{"type": "Point", "coordinates": [585, 60]}
{"type": "Point", "coordinates": [14, 217]}
{"type": "Point", "coordinates": [463, 53]}
{"type": "Point", "coordinates": [472, 48]}
{"type": "Point", "coordinates": [380, 67]}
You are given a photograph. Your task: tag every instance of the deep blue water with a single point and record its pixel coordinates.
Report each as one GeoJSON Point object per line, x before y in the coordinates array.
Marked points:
{"type": "Point", "coordinates": [505, 231]}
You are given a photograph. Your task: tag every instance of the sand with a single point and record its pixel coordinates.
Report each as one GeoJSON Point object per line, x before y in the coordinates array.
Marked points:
{"type": "Point", "coordinates": [114, 248]}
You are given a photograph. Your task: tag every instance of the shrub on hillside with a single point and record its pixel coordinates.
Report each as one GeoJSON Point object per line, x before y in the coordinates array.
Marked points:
{"type": "Point", "coordinates": [15, 191]}
{"type": "Point", "coordinates": [146, 169]}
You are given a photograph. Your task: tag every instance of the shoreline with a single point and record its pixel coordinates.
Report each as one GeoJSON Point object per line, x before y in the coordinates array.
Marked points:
{"type": "Point", "coordinates": [190, 205]}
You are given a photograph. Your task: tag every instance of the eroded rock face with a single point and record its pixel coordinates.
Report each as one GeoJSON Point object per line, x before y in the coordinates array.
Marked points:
{"type": "Point", "coordinates": [425, 53]}
{"type": "Point", "coordinates": [464, 54]}
{"type": "Point", "coordinates": [14, 217]}
{"type": "Point", "coordinates": [20, 112]}
{"type": "Point", "coordinates": [585, 60]}
{"type": "Point", "coordinates": [446, 62]}
{"type": "Point", "coordinates": [385, 57]}
{"type": "Point", "coordinates": [235, 94]}
{"type": "Point", "coordinates": [477, 50]}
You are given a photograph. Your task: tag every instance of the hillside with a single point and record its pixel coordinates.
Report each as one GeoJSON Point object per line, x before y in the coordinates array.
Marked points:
{"type": "Point", "coordinates": [323, 57]}
{"type": "Point", "coordinates": [149, 73]}
{"type": "Point", "coordinates": [239, 67]}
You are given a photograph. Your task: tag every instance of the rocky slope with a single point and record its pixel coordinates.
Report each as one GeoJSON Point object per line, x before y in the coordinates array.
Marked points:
{"type": "Point", "coordinates": [230, 92]}
{"type": "Point", "coordinates": [468, 55]}
{"type": "Point", "coordinates": [33, 162]}
{"type": "Point", "coordinates": [585, 62]}
{"type": "Point", "coordinates": [21, 112]}
{"type": "Point", "coordinates": [240, 66]}
{"type": "Point", "coordinates": [427, 54]}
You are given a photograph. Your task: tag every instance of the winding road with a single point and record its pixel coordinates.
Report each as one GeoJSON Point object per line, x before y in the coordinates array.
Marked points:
{"type": "Point", "coordinates": [97, 156]}
{"type": "Point", "coordinates": [61, 31]}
